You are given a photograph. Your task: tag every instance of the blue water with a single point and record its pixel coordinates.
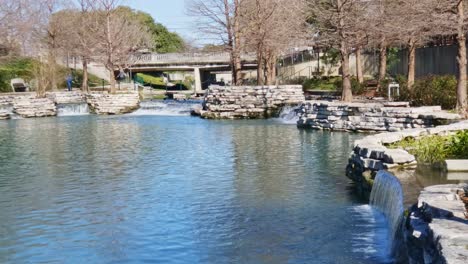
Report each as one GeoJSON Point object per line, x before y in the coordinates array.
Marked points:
{"type": "Point", "coordinates": [156, 189]}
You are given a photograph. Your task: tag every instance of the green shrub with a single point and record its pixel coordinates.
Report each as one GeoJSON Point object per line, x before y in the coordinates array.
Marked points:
{"type": "Point", "coordinates": [356, 87]}
{"type": "Point", "coordinates": [435, 149]}
{"type": "Point", "coordinates": [431, 90]}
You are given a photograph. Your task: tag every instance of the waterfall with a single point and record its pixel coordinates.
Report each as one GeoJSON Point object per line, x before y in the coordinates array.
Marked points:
{"type": "Point", "coordinates": [166, 108]}
{"type": "Point", "coordinates": [387, 196]}
{"type": "Point", "coordinates": [289, 115]}
{"type": "Point", "coordinates": [72, 109]}
{"type": "Point", "coordinates": [8, 109]}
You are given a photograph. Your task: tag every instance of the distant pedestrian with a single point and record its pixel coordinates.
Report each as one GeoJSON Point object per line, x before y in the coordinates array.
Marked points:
{"type": "Point", "coordinates": [69, 82]}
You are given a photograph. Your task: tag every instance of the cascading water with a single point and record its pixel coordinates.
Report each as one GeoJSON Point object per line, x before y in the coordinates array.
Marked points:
{"type": "Point", "coordinates": [387, 196]}
{"type": "Point", "coordinates": [289, 115]}
{"type": "Point", "coordinates": [370, 236]}
{"type": "Point", "coordinates": [8, 109]}
{"type": "Point", "coordinates": [166, 108]}
{"type": "Point", "coordinates": [72, 109]}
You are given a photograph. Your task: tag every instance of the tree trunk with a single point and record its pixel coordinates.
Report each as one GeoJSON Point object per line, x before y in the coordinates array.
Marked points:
{"type": "Point", "coordinates": [462, 103]}
{"type": "Point", "coordinates": [359, 73]}
{"type": "Point", "coordinates": [260, 67]}
{"type": "Point", "coordinates": [347, 94]}
{"type": "Point", "coordinates": [112, 89]}
{"type": "Point", "coordinates": [236, 38]}
{"type": "Point", "coordinates": [411, 62]}
{"type": "Point", "coordinates": [84, 85]}
{"type": "Point", "coordinates": [110, 55]}
{"type": "Point", "coordinates": [270, 68]}
{"type": "Point", "coordinates": [382, 62]}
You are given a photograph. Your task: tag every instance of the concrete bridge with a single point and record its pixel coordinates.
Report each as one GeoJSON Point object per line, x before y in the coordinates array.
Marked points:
{"type": "Point", "coordinates": [200, 64]}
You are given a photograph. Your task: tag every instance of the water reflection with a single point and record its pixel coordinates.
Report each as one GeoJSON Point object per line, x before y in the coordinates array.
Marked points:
{"type": "Point", "coordinates": [178, 190]}
{"type": "Point", "coordinates": [414, 180]}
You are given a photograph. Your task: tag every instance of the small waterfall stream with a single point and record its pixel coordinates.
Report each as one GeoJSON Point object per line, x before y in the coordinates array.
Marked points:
{"type": "Point", "coordinates": [289, 115]}
{"type": "Point", "coordinates": [8, 109]}
{"type": "Point", "coordinates": [72, 109]}
{"type": "Point", "coordinates": [387, 196]}
{"type": "Point", "coordinates": [166, 108]}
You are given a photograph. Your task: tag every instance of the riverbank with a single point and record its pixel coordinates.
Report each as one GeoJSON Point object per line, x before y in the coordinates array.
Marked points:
{"type": "Point", "coordinates": [436, 229]}
{"type": "Point", "coordinates": [371, 116]}
{"type": "Point", "coordinates": [26, 105]}
{"type": "Point", "coordinates": [372, 154]}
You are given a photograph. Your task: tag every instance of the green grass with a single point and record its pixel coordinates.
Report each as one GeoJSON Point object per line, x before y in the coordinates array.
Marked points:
{"type": "Point", "coordinates": [24, 68]}
{"type": "Point", "coordinates": [435, 149]}
{"type": "Point", "coordinates": [324, 84]}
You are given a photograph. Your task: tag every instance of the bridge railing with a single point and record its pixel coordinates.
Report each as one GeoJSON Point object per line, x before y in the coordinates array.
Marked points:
{"type": "Point", "coordinates": [169, 58]}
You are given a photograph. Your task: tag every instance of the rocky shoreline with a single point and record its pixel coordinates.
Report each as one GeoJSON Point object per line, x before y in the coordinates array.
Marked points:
{"type": "Point", "coordinates": [27, 106]}
{"type": "Point", "coordinates": [371, 117]}
{"type": "Point", "coordinates": [371, 154]}
{"type": "Point", "coordinates": [436, 228]}
{"type": "Point", "coordinates": [249, 102]}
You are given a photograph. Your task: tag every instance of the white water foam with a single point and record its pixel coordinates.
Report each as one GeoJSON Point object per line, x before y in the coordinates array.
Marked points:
{"type": "Point", "coordinates": [165, 108]}
{"type": "Point", "coordinates": [370, 236]}
{"type": "Point", "coordinates": [72, 109]}
{"type": "Point", "coordinates": [9, 110]}
{"type": "Point", "coordinates": [289, 115]}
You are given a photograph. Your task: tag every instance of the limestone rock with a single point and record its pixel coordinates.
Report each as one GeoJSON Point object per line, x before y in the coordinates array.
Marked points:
{"type": "Point", "coordinates": [397, 156]}
{"type": "Point", "coordinates": [34, 107]}
{"type": "Point", "coordinates": [247, 102]}
{"type": "Point", "coordinates": [113, 104]}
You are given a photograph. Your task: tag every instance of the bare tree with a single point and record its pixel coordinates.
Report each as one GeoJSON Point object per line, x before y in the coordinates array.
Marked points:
{"type": "Point", "coordinates": [272, 26]}
{"type": "Point", "coordinates": [81, 36]}
{"type": "Point", "coordinates": [220, 19]}
{"type": "Point", "coordinates": [122, 36]}
{"type": "Point", "coordinates": [451, 18]}
{"type": "Point", "coordinates": [339, 25]}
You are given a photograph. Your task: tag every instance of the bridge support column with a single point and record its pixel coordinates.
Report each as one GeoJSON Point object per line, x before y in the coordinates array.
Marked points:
{"type": "Point", "coordinates": [198, 83]}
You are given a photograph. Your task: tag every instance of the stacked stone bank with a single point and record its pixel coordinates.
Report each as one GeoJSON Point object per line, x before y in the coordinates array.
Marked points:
{"type": "Point", "coordinates": [436, 228]}
{"type": "Point", "coordinates": [34, 107]}
{"type": "Point", "coordinates": [113, 104]}
{"type": "Point", "coordinates": [371, 153]}
{"type": "Point", "coordinates": [245, 102]}
{"type": "Point", "coordinates": [372, 117]}
{"type": "Point", "coordinates": [67, 97]}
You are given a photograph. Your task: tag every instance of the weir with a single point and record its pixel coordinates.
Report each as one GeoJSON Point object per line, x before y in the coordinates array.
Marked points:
{"type": "Point", "coordinates": [73, 109]}
{"type": "Point", "coordinates": [387, 196]}
{"type": "Point", "coordinates": [166, 108]}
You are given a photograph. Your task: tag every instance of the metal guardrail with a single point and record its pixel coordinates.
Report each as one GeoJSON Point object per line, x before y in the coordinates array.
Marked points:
{"type": "Point", "coordinates": [172, 58]}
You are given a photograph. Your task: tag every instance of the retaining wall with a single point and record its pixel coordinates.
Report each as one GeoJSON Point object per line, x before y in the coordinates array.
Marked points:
{"type": "Point", "coordinates": [113, 104]}
{"type": "Point", "coordinates": [370, 117]}
{"type": "Point", "coordinates": [370, 154]}
{"type": "Point", "coordinates": [249, 102]}
{"type": "Point", "coordinates": [436, 230]}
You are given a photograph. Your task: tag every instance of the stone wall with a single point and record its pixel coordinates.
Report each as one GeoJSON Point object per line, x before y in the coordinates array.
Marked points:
{"type": "Point", "coordinates": [246, 102]}
{"type": "Point", "coordinates": [113, 104]}
{"type": "Point", "coordinates": [370, 117]}
{"type": "Point", "coordinates": [34, 107]}
{"type": "Point", "coordinates": [436, 230]}
{"type": "Point", "coordinates": [370, 154]}
{"type": "Point", "coordinates": [67, 97]}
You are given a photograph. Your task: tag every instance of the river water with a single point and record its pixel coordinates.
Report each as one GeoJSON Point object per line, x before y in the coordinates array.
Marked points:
{"type": "Point", "coordinates": [177, 189]}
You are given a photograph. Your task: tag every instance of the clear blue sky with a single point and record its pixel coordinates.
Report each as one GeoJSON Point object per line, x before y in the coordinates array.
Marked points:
{"type": "Point", "coordinates": [170, 13]}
